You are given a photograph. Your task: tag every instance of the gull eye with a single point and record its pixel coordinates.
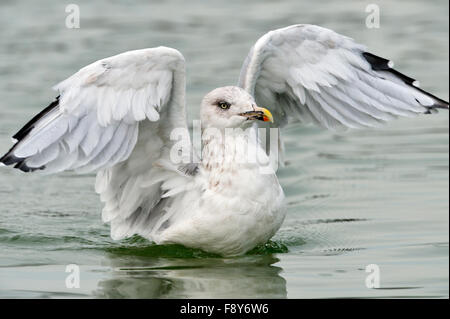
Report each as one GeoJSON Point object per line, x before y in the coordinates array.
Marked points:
{"type": "Point", "coordinates": [223, 105]}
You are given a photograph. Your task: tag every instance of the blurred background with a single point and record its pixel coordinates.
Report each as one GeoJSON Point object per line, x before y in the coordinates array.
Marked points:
{"type": "Point", "coordinates": [354, 199]}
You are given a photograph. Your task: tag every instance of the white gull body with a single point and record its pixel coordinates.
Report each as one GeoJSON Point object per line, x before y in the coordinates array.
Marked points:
{"type": "Point", "coordinates": [116, 116]}
{"type": "Point", "coordinates": [233, 206]}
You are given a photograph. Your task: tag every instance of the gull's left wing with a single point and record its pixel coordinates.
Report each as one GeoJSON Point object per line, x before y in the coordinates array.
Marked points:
{"type": "Point", "coordinates": [313, 75]}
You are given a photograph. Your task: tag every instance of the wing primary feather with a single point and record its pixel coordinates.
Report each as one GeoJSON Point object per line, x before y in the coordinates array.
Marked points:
{"type": "Point", "coordinates": [381, 64]}
{"type": "Point", "coordinates": [30, 124]}
{"type": "Point", "coordinates": [330, 76]}
{"type": "Point", "coordinates": [9, 158]}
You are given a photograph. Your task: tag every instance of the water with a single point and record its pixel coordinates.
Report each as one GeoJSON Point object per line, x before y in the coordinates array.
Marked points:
{"type": "Point", "coordinates": [373, 197]}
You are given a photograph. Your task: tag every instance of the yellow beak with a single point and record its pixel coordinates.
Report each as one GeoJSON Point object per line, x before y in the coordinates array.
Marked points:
{"type": "Point", "coordinates": [259, 113]}
{"type": "Point", "coordinates": [267, 116]}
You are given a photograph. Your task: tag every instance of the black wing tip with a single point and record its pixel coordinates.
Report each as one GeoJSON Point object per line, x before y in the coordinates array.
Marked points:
{"type": "Point", "coordinates": [376, 62]}
{"type": "Point", "coordinates": [30, 124]}
{"type": "Point", "coordinates": [20, 163]}
{"type": "Point", "coordinates": [381, 64]}
{"type": "Point", "coordinates": [25, 168]}
{"type": "Point", "coordinates": [9, 159]}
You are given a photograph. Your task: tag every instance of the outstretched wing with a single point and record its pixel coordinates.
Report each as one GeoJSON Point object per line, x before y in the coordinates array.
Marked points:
{"type": "Point", "coordinates": [113, 116]}
{"type": "Point", "coordinates": [311, 74]}
{"type": "Point", "coordinates": [93, 123]}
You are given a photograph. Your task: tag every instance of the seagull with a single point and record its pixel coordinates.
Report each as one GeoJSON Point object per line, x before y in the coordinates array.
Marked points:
{"type": "Point", "coordinates": [117, 117]}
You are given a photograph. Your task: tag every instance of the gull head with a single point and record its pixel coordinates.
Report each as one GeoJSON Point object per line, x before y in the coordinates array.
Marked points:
{"type": "Point", "coordinates": [231, 107]}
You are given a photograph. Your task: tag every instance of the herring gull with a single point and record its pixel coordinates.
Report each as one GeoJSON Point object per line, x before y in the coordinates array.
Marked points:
{"type": "Point", "coordinates": [116, 117]}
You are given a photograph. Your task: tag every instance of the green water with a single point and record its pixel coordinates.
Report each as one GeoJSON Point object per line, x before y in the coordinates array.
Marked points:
{"type": "Point", "coordinates": [354, 199]}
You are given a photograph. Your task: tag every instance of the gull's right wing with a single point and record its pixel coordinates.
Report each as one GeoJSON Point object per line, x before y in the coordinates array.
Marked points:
{"type": "Point", "coordinates": [114, 117]}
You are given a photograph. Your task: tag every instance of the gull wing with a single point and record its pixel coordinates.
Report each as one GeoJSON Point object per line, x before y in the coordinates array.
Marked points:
{"type": "Point", "coordinates": [113, 117]}
{"type": "Point", "coordinates": [311, 74]}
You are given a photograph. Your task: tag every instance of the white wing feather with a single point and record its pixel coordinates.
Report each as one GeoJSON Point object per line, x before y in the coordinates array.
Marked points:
{"type": "Point", "coordinates": [311, 74]}
{"type": "Point", "coordinates": [113, 116]}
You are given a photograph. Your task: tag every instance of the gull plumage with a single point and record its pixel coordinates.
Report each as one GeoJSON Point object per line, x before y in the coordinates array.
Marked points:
{"type": "Point", "coordinates": [116, 117]}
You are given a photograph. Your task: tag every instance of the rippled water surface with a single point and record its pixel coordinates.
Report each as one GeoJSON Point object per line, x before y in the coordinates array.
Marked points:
{"type": "Point", "coordinates": [354, 199]}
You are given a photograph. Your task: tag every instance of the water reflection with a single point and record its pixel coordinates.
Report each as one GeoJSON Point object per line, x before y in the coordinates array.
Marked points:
{"type": "Point", "coordinates": [144, 277]}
